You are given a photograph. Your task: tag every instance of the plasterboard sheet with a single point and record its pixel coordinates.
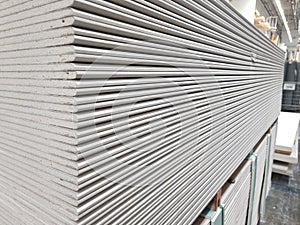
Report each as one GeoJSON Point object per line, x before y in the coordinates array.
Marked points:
{"type": "Point", "coordinates": [283, 168]}
{"type": "Point", "coordinates": [36, 15]}
{"type": "Point", "coordinates": [110, 99]}
{"type": "Point", "coordinates": [66, 139]}
{"type": "Point", "coordinates": [22, 6]}
{"type": "Point", "coordinates": [273, 133]}
{"type": "Point", "coordinates": [287, 131]}
{"type": "Point", "coordinates": [257, 173]}
{"type": "Point", "coordinates": [291, 158]}
{"type": "Point", "coordinates": [58, 23]}
{"type": "Point", "coordinates": [236, 196]}
{"type": "Point", "coordinates": [92, 7]}
{"type": "Point", "coordinates": [46, 75]}
{"type": "Point", "coordinates": [268, 169]}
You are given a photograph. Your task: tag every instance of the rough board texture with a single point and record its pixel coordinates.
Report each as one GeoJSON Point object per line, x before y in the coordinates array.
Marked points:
{"type": "Point", "coordinates": [127, 112]}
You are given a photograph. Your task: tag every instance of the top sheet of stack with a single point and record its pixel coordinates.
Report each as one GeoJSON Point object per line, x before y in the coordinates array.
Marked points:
{"type": "Point", "coordinates": [127, 112]}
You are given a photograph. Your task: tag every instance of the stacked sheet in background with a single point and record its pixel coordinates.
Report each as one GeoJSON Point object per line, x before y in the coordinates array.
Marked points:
{"type": "Point", "coordinates": [127, 112]}
{"type": "Point", "coordinates": [258, 159]}
{"type": "Point", "coordinates": [271, 138]}
{"type": "Point", "coordinates": [286, 146]}
{"type": "Point", "coordinates": [235, 196]}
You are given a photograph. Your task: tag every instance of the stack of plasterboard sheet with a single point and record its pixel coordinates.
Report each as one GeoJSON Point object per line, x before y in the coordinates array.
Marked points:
{"type": "Point", "coordinates": [271, 138]}
{"type": "Point", "coordinates": [257, 159]}
{"type": "Point", "coordinates": [271, 151]}
{"type": "Point", "coordinates": [286, 146]}
{"type": "Point", "coordinates": [236, 194]}
{"type": "Point", "coordinates": [127, 112]}
{"type": "Point", "coordinates": [283, 168]}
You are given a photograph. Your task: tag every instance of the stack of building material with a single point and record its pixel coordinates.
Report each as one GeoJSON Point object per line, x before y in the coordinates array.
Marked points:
{"type": "Point", "coordinates": [235, 198]}
{"type": "Point", "coordinates": [127, 112]}
{"type": "Point", "coordinates": [258, 159]}
{"type": "Point", "coordinates": [271, 138]}
{"type": "Point", "coordinates": [286, 146]}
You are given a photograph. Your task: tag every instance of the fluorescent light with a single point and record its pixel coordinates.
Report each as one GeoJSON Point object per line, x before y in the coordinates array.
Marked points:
{"type": "Point", "coordinates": [279, 6]}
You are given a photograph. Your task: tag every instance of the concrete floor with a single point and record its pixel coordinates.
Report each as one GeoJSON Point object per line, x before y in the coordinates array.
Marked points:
{"type": "Point", "coordinates": [283, 203]}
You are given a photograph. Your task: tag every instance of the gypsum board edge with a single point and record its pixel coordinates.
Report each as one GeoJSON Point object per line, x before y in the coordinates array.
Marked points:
{"type": "Point", "coordinates": [163, 61]}
{"type": "Point", "coordinates": [104, 127]}
{"type": "Point", "coordinates": [36, 36]}
{"type": "Point", "coordinates": [43, 191]}
{"type": "Point", "coordinates": [43, 119]}
{"type": "Point", "coordinates": [204, 109]}
{"type": "Point", "coordinates": [48, 51]}
{"type": "Point", "coordinates": [88, 153]}
{"type": "Point", "coordinates": [7, 4]}
{"type": "Point", "coordinates": [88, 54]}
{"type": "Point", "coordinates": [56, 178]}
{"type": "Point", "coordinates": [92, 21]}
{"type": "Point", "coordinates": [103, 89]}
{"type": "Point", "coordinates": [81, 150]}
{"type": "Point", "coordinates": [58, 23]}
{"type": "Point", "coordinates": [88, 83]}
{"type": "Point", "coordinates": [13, 24]}
{"type": "Point", "coordinates": [65, 116]}
{"type": "Point", "coordinates": [106, 73]}
{"type": "Point", "coordinates": [67, 100]}
{"type": "Point", "coordinates": [258, 138]}
{"type": "Point", "coordinates": [218, 8]}
{"type": "Point", "coordinates": [38, 60]}
{"type": "Point", "coordinates": [57, 41]}
{"type": "Point", "coordinates": [23, 6]}
{"type": "Point", "coordinates": [124, 43]}
{"type": "Point", "coordinates": [89, 39]}
{"type": "Point", "coordinates": [161, 15]}
{"type": "Point", "coordinates": [35, 75]}
{"type": "Point", "coordinates": [89, 20]}
{"type": "Point", "coordinates": [62, 178]}
{"type": "Point", "coordinates": [7, 207]}
{"type": "Point", "coordinates": [64, 149]}
{"type": "Point", "coordinates": [58, 141]}
{"type": "Point", "coordinates": [83, 199]}
{"type": "Point", "coordinates": [40, 206]}
{"type": "Point", "coordinates": [52, 99]}
{"type": "Point", "coordinates": [48, 129]}
{"type": "Point", "coordinates": [96, 120]}
{"type": "Point", "coordinates": [61, 164]}
{"type": "Point", "coordinates": [61, 193]}
{"type": "Point", "coordinates": [30, 144]}
{"type": "Point", "coordinates": [36, 125]}
{"type": "Point", "coordinates": [39, 105]}
{"type": "Point", "coordinates": [45, 159]}
{"type": "Point", "coordinates": [209, 90]}
{"type": "Point", "coordinates": [87, 70]}
{"type": "Point", "coordinates": [34, 40]}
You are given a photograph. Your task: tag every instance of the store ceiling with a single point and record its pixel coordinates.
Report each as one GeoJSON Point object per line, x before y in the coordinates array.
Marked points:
{"type": "Point", "coordinates": [291, 9]}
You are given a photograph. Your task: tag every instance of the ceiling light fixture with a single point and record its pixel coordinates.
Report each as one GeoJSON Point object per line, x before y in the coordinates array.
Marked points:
{"type": "Point", "coordinates": [279, 6]}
